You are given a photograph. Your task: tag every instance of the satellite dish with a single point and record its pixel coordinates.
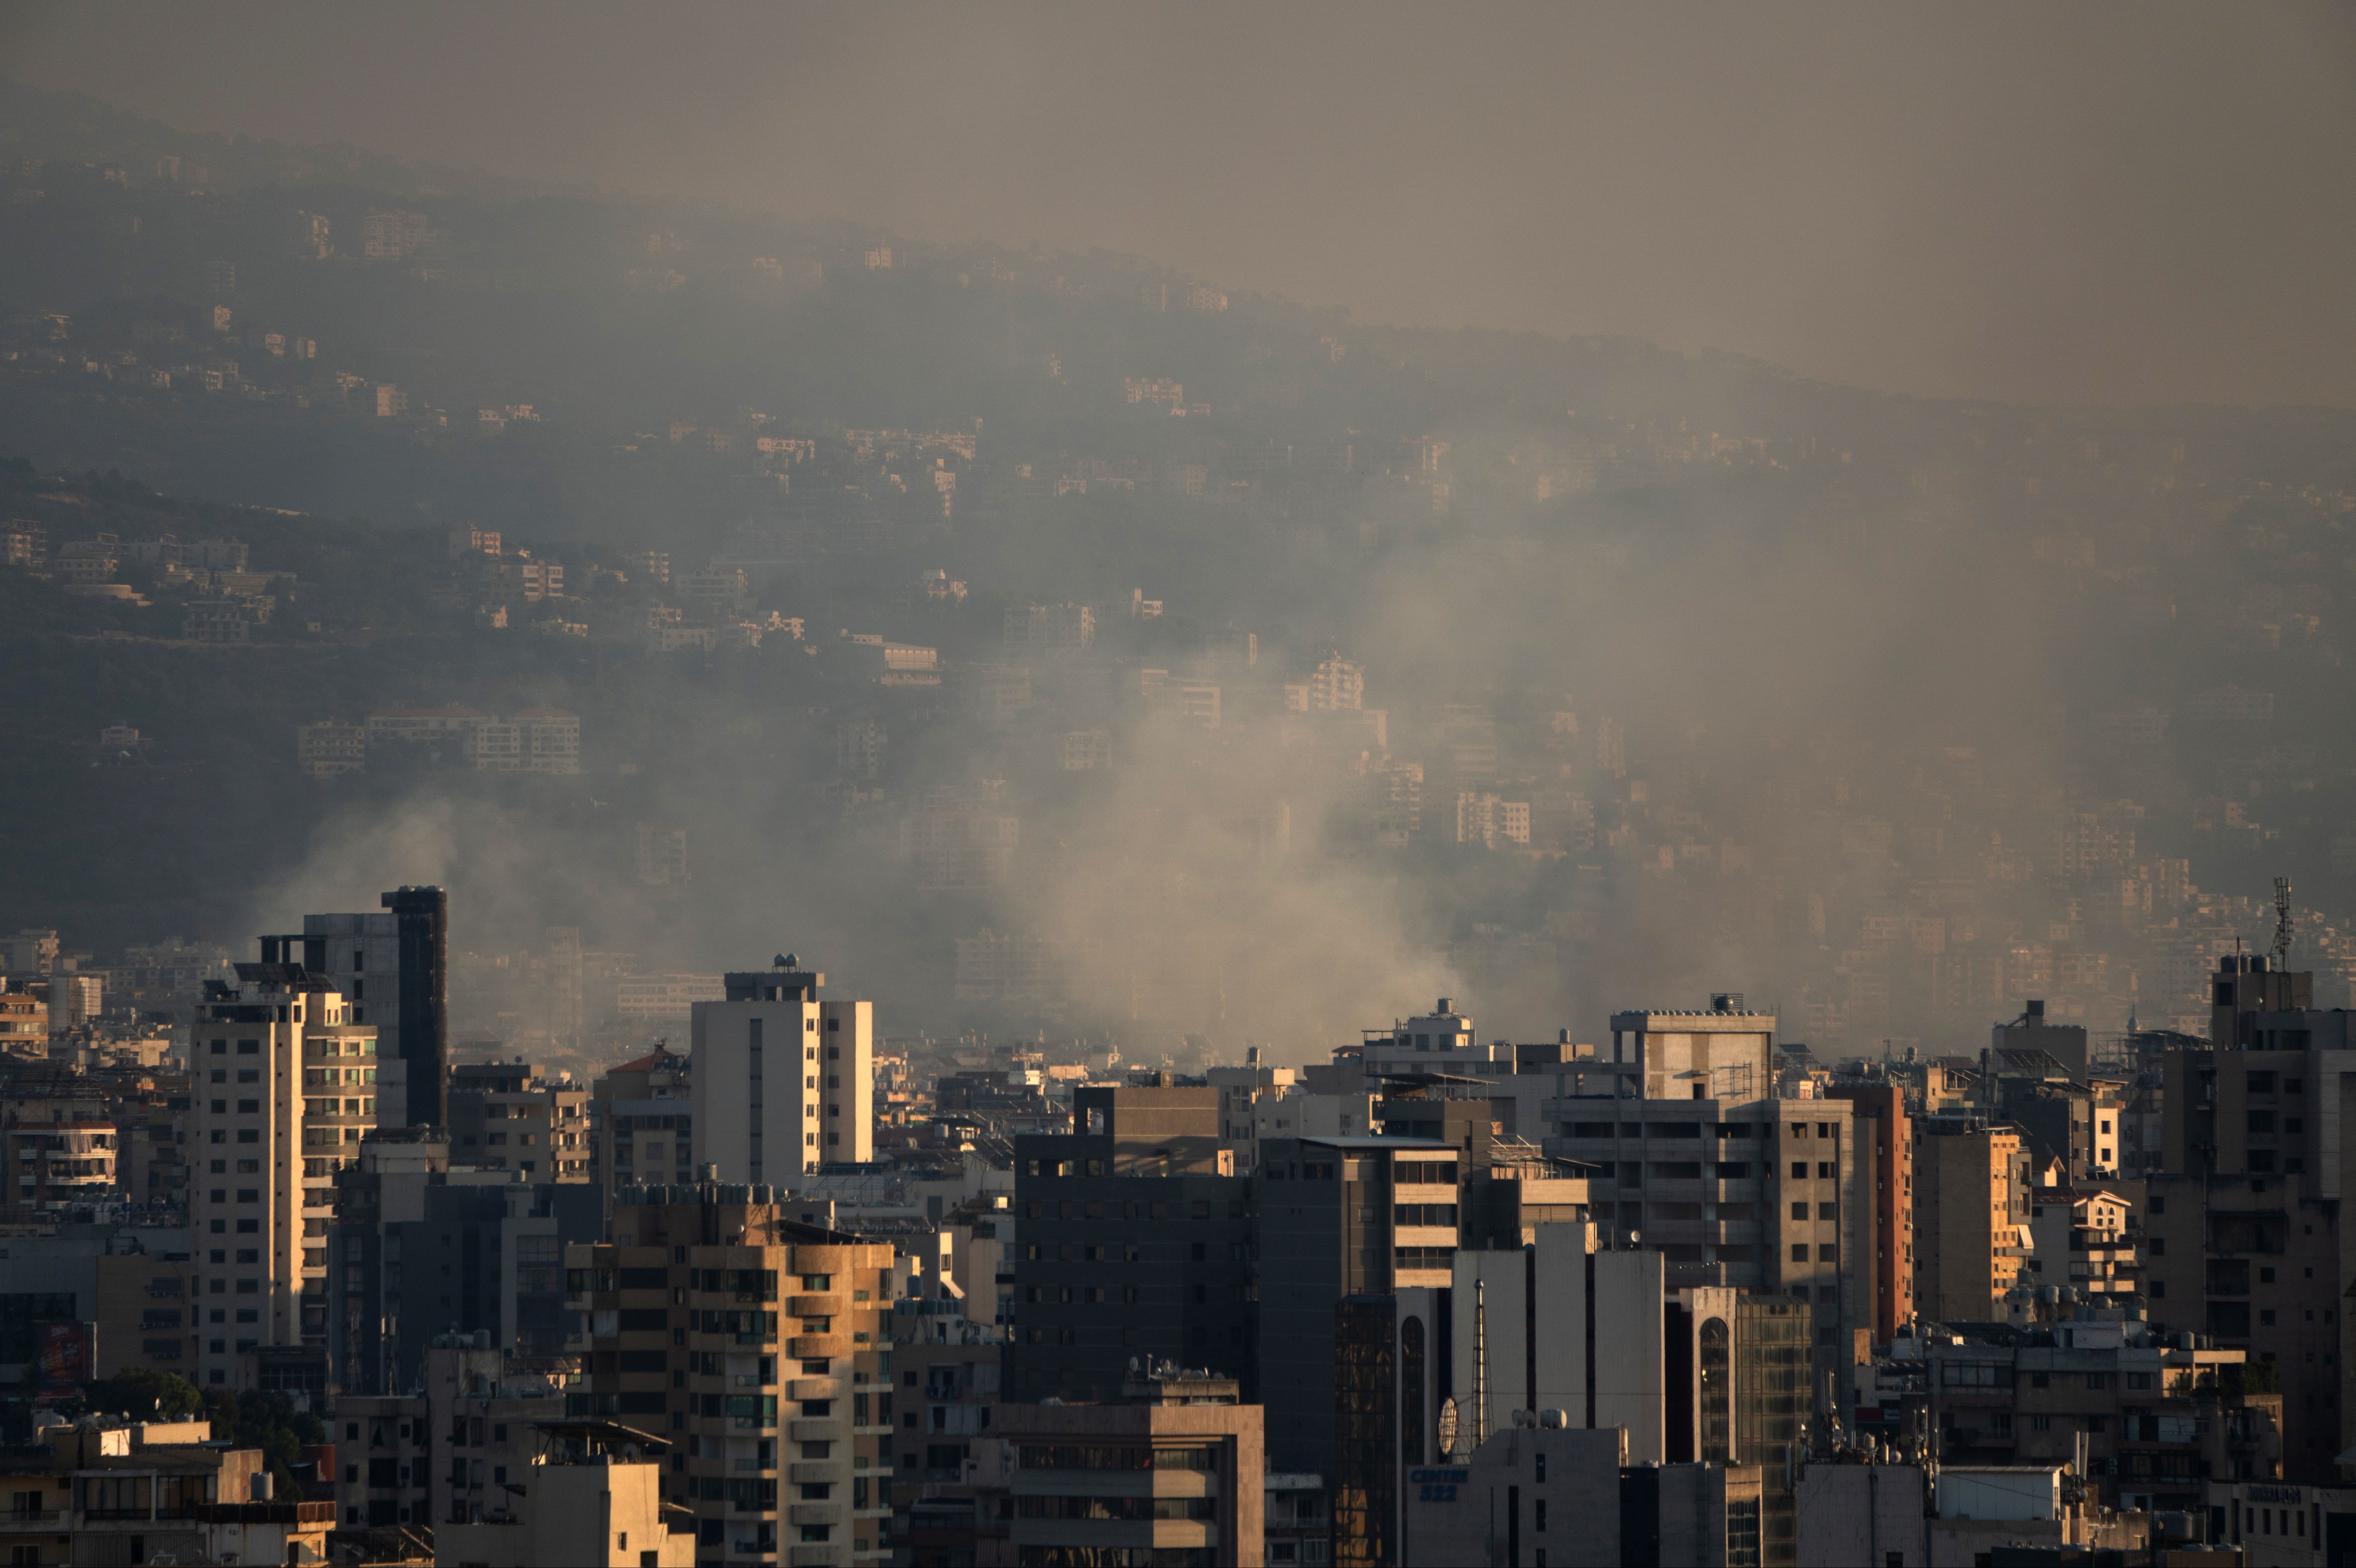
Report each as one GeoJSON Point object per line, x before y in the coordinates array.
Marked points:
{"type": "Point", "coordinates": [1635, 1236]}
{"type": "Point", "coordinates": [1447, 1433]}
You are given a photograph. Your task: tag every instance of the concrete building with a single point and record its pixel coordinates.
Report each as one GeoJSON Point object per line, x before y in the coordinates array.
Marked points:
{"type": "Point", "coordinates": [2065, 1043]}
{"type": "Point", "coordinates": [49, 1163]}
{"type": "Point", "coordinates": [24, 1020]}
{"type": "Point", "coordinates": [147, 1312]}
{"type": "Point", "coordinates": [1570, 1498]}
{"type": "Point", "coordinates": [1975, 1514]}
{"type": "Point", "coordinates": [1971, 1219]}
{"type": "Point", "coordinates": [1049, 631]}
{"type": "Point", "coordinates": [1173, 1474]}
{"type": "Point", "coordinates": [763, 1344]}
{"type": "Point", "coordinates": [1851, 1514]}
{"type": "Point", "coordinates": [949, 1377]}
{"type": "Point", "coordinates": [1241, 1090]}
{"type": "Point", "coordinates": [1885, 1182]}
{"type": "Point", "coordinates": [393, 968]}
{"type": "Point", "coordinates": [2152, 1418]}
{"type": "Point", "coordinates": [2079, 1241]}
{"type": "Point", "coordinates": [1553, 1333]}
{"type": "Point", "coordinates": [2245, 1230]}
{"type": "Point", "coordinates": [453, 1445]}
{"type": "Point", "coordinates": [385, 1451]}
{"type": "Point", "coordinates": [279, 1103]}
{"type": "Point", "coordinates": [2280, 1526]}
{"type": "Point", "coordinates": [104, 1492]}
{"type": "Point", "coordinates": [783, 1082]}
{"type": "Point", "coordinates": [1132, 1236]}
{"type": "Point", "coordinates": [1296, 1519]}
{"type": "Point", "coordinates": [513, 1116]}
{"type": "Point", "coordinates": [1692, 1154]}
{"type": "Point", "coordinates": [420, 1251]}
{"type": "Point", "coordinates": [1341, 1219]}
{"type": "Point", "coordinates": [329, 747]}
{"type": "Point", "coordinates": [592, 1497]}
{"type": "Point", "coordinates": [642, 1113]}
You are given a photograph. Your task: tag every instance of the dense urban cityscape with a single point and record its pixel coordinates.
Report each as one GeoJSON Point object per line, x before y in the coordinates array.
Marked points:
{"type": "Point", "coordinates": [681, 887]}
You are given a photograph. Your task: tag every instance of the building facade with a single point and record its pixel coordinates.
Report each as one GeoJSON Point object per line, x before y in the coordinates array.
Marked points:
{"type": "Point", "coordinates": [269, 1129]}
{"type": "Point", "coordinates": [762, 1347]}
{"type": "Point", "coordinates": [783, 1082]}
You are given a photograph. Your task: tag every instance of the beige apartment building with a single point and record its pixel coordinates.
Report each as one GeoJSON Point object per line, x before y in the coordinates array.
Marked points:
{"type": "Point", "coordinates": [783, 1082]}
{"type": "Point", "coordinates": [1971, 1219]}
{"type": "Point", "coordinates": [283, 1090]}
{"type": "Point", "coordinates": [760, 1346]}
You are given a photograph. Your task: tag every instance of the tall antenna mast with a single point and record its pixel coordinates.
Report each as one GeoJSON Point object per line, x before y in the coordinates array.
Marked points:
{"type": "Point", "coordinates": [2284, 926]}
{"type": "Point", "coordinates": [1479, 1361]}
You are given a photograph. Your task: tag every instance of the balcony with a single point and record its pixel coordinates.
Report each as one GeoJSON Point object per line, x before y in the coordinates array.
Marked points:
{"type": "Point", "coordinates": [818, 1347]}
{"type": "Point", "coordinates": [816, 1430]}
{"type": "Point", "coordinates": [815, 1513]}
{"type": "Point", "coordinates": [814, 1305]}
{"type": "Point", "coordinates": [36, 1518]}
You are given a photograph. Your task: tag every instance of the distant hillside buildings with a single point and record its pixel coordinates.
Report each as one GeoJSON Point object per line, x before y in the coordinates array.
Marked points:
{"type": "Point", "coordinates": [534, 741]}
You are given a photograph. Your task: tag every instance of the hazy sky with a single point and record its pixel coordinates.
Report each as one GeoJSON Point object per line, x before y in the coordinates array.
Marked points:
{"type": "Point", "coordinates": [2046, 202]}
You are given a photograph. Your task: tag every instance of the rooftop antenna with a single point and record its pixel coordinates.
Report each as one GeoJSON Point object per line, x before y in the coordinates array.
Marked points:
{"type": "Point", "coordinates": [1479, 1361]}
{"type": "Point", "coordinates": [2284, 925]}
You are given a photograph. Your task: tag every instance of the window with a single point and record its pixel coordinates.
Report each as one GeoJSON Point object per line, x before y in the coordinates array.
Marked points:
{"type": "Point", "coordinates": [1799, 1170]}
{"type": "Point", "coordinates": [1799, 1210]}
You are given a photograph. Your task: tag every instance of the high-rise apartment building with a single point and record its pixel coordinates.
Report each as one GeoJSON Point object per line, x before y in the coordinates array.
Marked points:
{"type": "Point", "coordinates": [420, 1249]}
{"type": "Point", "coordinates": [2243, 1239]}
{"type": "Point", "coordinates": [1884, 1158]}
{"type": "Point", "coordinates": [783, 1082]}
{"type": "Point", "coordinates": [1170, 1472]}
{"type": "Point", "coordinates": [1971, 1218]}
{"type": "Point", "coordinates": [1132, 1241]}
{"type": "Point", "coordinates": [455, 1445]}
{"type": "Point", "coordinates": [393, 969]}
{"type": "Point", "coordinates": [282, 1093]}
{"type": "Point", "coordinates": [1340, 1219]}
{"type": "Point", "coordinates": [1694, 1156]}
{"type": "Point", "coordinates": [760, 1348]}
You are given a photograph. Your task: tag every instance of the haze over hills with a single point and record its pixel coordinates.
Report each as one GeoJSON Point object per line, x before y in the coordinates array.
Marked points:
{"type": "Point", "coordinates": [1239, 672]}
